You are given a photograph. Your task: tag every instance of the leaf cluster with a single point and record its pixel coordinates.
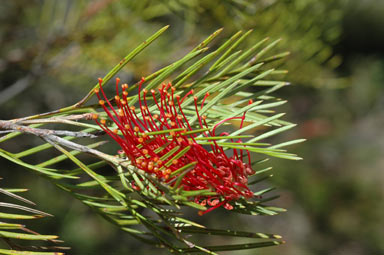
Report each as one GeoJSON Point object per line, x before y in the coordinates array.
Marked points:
{"type": "Point", "coordinates": [14, 232]}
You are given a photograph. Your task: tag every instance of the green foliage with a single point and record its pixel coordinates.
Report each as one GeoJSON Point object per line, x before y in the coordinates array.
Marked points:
{"type": "Point", "coordinates": [154, 212]}
{"type": "Point", "coordinates": [16, 235]}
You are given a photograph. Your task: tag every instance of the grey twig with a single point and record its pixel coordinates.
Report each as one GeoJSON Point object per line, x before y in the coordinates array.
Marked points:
{"type": "Point", "coordinates": [9, 125]}
{"type": "Point", "coordinates": [52, 137]}
{"type": "Point", "coordinates": [62, 119]}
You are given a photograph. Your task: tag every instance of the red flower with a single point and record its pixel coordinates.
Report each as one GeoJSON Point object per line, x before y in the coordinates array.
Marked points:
{"type": "Point", "coordinates": [159, 141]}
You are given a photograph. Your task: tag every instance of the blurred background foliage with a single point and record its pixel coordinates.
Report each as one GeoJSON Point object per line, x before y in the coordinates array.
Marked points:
{"type": "Point", "coordinates": [52, 51]}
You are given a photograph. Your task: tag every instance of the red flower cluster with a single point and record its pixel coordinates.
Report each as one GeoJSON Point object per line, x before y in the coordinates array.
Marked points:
{"type": "Point", "coordinates": [159, 141]}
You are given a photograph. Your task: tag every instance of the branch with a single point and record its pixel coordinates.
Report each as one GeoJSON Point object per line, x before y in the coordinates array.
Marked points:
{"type": "Point", "coordinates": [51, 136]}
{"type": "Point", "coordinates": [9, 125]}
{"type": "Point", "coordinates": [61, 119]}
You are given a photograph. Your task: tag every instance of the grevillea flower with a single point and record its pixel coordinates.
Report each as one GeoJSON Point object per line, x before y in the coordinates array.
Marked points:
{"type": "Point", "coordinates": [161, 141]}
